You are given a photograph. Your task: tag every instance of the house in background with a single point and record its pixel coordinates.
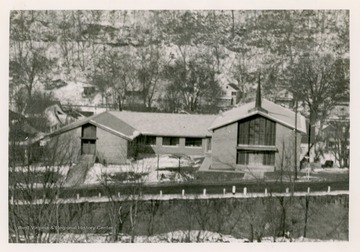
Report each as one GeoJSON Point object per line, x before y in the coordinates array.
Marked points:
{"type": "Point", "coordinates": [56, 117]}
{"type": "Point", "coordinates": [54, 84]}
{"type": "Point", "coordinates": [47, 115]}
{"type": "Point", "coordinates": [232, 96]}
{"type": "Point", "coordinates": [285, 99]}
{"type": "Point", "coordinates": [89, 90]}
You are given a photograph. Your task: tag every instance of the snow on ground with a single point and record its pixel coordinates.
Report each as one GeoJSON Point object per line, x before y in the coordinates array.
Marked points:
{"type": "Point", "coordinates": [324, 170]}
{"type": "Point", "coordinates": [165, 161]}
{"type": "Point", "coordinates": [201, 236]}
{"type": "Point", "coordinates": [63, 170]}
{"type": "Point", "coordinates": [146, 166]}
{"type": "Point", "coordinates": [72, 93]}
{"type": "Point", "coordinates": [332, 170]}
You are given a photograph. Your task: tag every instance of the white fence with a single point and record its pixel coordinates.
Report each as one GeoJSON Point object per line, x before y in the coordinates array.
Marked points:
{"type": "Point", "coordinates": [182, 195]}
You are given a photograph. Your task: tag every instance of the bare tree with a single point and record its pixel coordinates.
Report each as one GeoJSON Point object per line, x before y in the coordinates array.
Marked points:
{"type": "Point", "coordinates": [150, 72]}
{"type": "Point", "coordinates": [29, 65]}
{"type": "Point", "coordinates": [338, 141]}
{"type": "Point", "coordinates": [36, 177]}
{"type": "Point", "coordinates": [125, 210]}
{"type": "Point", "coordinates": [320, 83]}
{"type": "Point", "coordinates": [194, 80]}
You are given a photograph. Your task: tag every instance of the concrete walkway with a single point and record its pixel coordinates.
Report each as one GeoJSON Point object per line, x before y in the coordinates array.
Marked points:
{"type": "Point", "coordinates": [77, 174]}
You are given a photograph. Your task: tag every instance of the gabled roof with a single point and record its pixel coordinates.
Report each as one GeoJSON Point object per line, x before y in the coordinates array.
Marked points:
{"type": "Point", "coordinates": [131, 124]}
{"type": "Point", "coordinates": [112, 123]}
{"type": "Point", "coordinates": [233, 86]}
{"type": "Point", "coordinates": [275, 112]}
{"type": "Point", "coordinates": [165, 124]}
{"type": "Point", "coordinates": [107, 122]}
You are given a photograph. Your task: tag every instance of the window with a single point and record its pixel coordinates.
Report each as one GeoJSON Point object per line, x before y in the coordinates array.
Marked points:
{"type": "Point", "coordinates": [193, 142]}
{"type": "Point", "coordinates": [269, 158]}
{"type": "Point", "coordinates": [257, 131]}
{"type": "Point", "coordinates": [148, 140]}
{"type": "Point", "coordinates": [255, 157]}
{"type": "Point", "coordinates": [89, 91]}
{"type": "Point", "coordinates": [172, 141]}
{"type": "Point", "coordinates": [233, 93]}
{"type": "Point", "coordinates": [242, 158]}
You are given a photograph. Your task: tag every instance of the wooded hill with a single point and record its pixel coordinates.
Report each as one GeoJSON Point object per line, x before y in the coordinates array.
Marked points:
{"type": "Point", "coordinates": [181, 60]}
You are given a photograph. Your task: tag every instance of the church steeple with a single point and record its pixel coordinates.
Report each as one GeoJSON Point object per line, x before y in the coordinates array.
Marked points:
{"type": "Point", "coordinates": [258, 95]}
{"type": "Point", "coordinates": [258, 106]}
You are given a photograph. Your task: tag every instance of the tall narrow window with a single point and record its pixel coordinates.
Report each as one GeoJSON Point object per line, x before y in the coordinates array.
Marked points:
{"type": "Point", "coordinates": [255, 158]}
{"type": "Point", "coordinates": [256, 131]}
{"type": "Point", "coordinates": [242, 158]}
{"type": "Point", "coordinates": [269, 158]}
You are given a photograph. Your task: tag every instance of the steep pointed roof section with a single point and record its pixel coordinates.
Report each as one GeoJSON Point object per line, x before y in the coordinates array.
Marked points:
{"type": "Point", "coordinates": [274, 112]}
{"type": "Point", "coordinates": [258, 98]}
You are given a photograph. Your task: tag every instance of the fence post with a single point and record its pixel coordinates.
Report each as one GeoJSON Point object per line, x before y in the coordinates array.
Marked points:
{"type": "Point", "coordinates": [12, 199]}
{"type": "Point", "coordinates": [287, 190]}
{"type": "Point", "coordinates": [308, 191]}
{"type": "Point", "coordinates": [183, 192]}
{"type": "Point", "coordinates": [204, 192]}
{"type": "Point", "coordinates": [224, 191]}
{"type": "Point", "coordinates": [119, 194]}
{"type": "Point", "coordinates": [77, 196]}
{"type": "Point", "coordinates": [160, 193]}
{"type": "Point", "coordinates": [233, 190]}
{"type": "Point", "coordinates": [329, 189]}
{"type": "Point", "coordinates": [245, 191]}
{"type": "Point", "coordinates": [266, 192]}
{"type": "Point", "coordinates": [99, 195]}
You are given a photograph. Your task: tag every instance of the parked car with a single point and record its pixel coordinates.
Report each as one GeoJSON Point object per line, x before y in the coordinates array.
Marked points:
{"type": "Point", "coordinates": [328, 164]}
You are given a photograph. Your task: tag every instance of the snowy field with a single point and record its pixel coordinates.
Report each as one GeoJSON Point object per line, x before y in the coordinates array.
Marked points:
{"type": "Point", "coordinates": [168, 167]}
{"type": "Point", "coordinates": [200, 236]}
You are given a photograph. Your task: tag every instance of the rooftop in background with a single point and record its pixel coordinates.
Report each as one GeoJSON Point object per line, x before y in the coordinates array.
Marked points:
{"type": "Point", "coordinates": [233, 86]}
{"type": "Point", "coordinates": [341, 111]}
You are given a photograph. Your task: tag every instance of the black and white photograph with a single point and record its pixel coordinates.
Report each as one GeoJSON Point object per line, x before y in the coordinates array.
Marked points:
{"type": "Point", "coordinates": [188, 125]}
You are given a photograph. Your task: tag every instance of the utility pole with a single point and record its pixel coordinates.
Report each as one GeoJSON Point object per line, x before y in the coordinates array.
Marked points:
{"type": "Point", "coordinates": [157, 170]}
{"type": "Point", "coordinates": [296, 112]}
{"type": "Point", "coordinates": [309, 136]}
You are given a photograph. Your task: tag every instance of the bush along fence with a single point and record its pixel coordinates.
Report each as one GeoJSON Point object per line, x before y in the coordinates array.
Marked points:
{"type": "Point", "coordinates": [235, 192]}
